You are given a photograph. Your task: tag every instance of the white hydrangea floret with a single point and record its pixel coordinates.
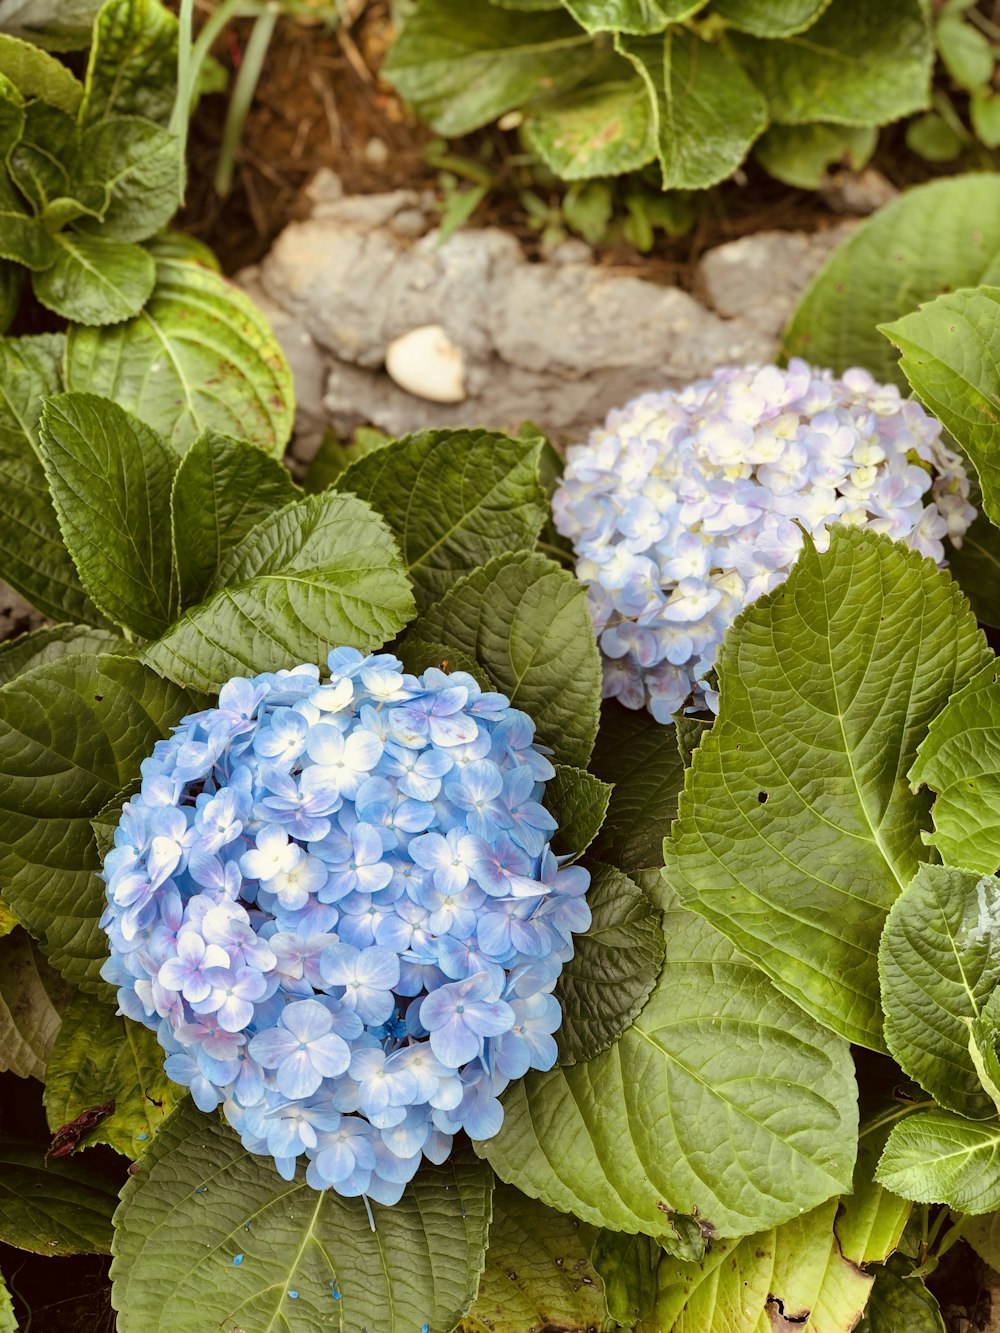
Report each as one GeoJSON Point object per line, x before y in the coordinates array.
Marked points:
{"type": "Point", "coordinates": [689, 504]}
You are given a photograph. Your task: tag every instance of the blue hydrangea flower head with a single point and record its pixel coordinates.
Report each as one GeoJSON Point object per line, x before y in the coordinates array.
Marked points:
{"type": "Point", "coordinates": [689, 504]}
{"type": "Point", "coordinates": [336, 904]}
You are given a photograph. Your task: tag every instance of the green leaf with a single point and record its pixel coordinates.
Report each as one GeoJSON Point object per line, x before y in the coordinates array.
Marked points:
{"type": "Point", "coordinates": [8, 921]}
{"type": "Point", "coordinates": [614, 966]}
{"type": "Point", "coordinates": [871, 1219]}
{"type": "Point", "coordinates": [36, 74]}
{"type": "Point", "coordinates": [177, 245]}
{"type": "Point", "coordinates": [983, 1234]}
{"type": "Point", "coordinates": [182, 1222]}
{"type": "Point", "coordinates": [966, 52]}
{"type": "Point", "coordinates": [55, 25]}
{"type": "Point", "coordinates": [332, 457]}
{"type": "Point", "coordinates": [579, 803]}
{"type": "Point", "coordinates": [707, 112]}
{"type": "Point", "coordinates": [319, 573]}
{"type": "Point", "coordinates": [200, 356]}
{"type": "Point", "coordinates": [454, 499]}
{"type": "Point", "coordinates": [984, 1034]}
{"type": "Point", "coordinates": [72, 733]}
{"type": "Point", "coordinates": [640, 757]}
{"type": "Point", "coordinates": [959, 760]}
{"type": "Point", "coordinates": [603, 128]}
{"type": "Point", "coordinates": [132, 69]}
{"type": "Point", "coordinates": [934, 238]}
{"type": "Point", "coordinates": [45, 158]}
{"type": "Point", "coordinates": [8, 1324]}
{"type": "Point", "coordinates": [766, 18]}
{"type": "Point", "coordinates": [33, 558]}
{"type": "Point", "coordinates": [722, 1101]}
{"type": "Point", "coordinates": [54, 641]}
{"type": "Point", "coordinates": [101, 1057]}
{"type": "Point", "coordinates": [933, 138]}
{"type": "Point", "coordinates": [60, 1207]}
{"type": "Point", "coordinates": [95, 280]}
{"type": "Point", "coordinates": [538, 1272]}
{"type": "Point", "coordinates": [23, 239]}
{"type": "Point", "coordinates": [975, 566]}
{"type": "Point", "coordinates": [900, 1303]}
{"type": "Point", "coordinates": [985, 114]}
{"type": "Point", "coordinates": [628, 1267]}
{"type": "Point", "coordinates": [790, 1277]}
{"type": "Point", "coordinates": [798, 793]}
{"type": "Point", "coordinates": [135, 163]}
{"type": "Point", "coordinates": [32, 998]}
{"type": "Point", "coordinates": [801, 155]}
{"type": "Point", "coordinates": [110, 477]}
{"type": "Point", "coordinates": [857, 65]}
{"type": "Point", "coordinates": [940, 1157]}
{"type": "Point", "coordinates": [938, 965]}
{"type": "Point", "coordinates": [223, 488]}
{"type": "Point", "coordinates": [526, 621]}
{"type": "Point", "coordinates": [631, 16]}
{"type": "Point", "coordinates": [463, 63]}
{"type": "Point", "coordinates": [951, 357]}
{"type": "Point", "coordinates": [417, 655]}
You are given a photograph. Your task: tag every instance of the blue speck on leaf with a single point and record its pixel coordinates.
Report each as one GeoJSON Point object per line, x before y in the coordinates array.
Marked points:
{"type": "Point", "coordinates": [238, 1260]}
{"type": "Point", "coordinates": [142, 1137]}
{"type": "Point", "coordinates": [293, 1295]}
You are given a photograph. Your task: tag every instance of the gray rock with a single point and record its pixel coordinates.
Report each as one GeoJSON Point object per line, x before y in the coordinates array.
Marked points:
{"type": "Point", "coordinates": [557, 342]}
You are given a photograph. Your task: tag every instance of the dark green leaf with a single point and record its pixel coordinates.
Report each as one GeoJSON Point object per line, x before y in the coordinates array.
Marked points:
{"type": "Point", "coordinates": [133, 63]}
{"type": "Point", "coordinates": [526, 621]}
{"type": "Point", "coordinates": [183, 1219]}
{"type": "Point", "coordinates": [858, 65]}
{"type": "Point", "coordinates": [707, 112]}
{"type": "Point", "coordinates": [453, 499]}
{"type": "Point", "coordinates": [934, 238]}
{"type": "Point", "coordinates": [72, 733]}
{"type": "Point", "coordinates": [579, 802]}
{"type": "Point", "coordinates": [55, 641]}
{"type": "Point", "coordinates": [95, 280]}
{"type": "Point", "coordinates": [798, 794]}
{"type": "Point", "coordinates": [100, 1057]}
{"type": "Point", "coordinates": [940, 1157]}
{"type": "Point", "coordinates": [110, 477]}
{"type": "Point", "coordinates": [639, 756]}
{"type": "Point", "coordinates": [900, 1303]}
{"type": "Point", "coordinates": [224, 487]}
{"type": "Point", "coordinates": [723, 1101]}
{"type": "Point", "coordinates": [614, 966]}
{"type": "Point", "coordinates": [33, 558]}
{"type": "Point", "coordinates": [770, 18]}
{"type": "Point", "coordinates": [135, 163]}
{"type": "Point", "coordinates": [463, 63]}
{"type": "Point", "coordinates": [200, 356]}
{"type": "Point", "coordinates": [23, 239]}
{"type": "Point", "coordinates": [319, 573]}
{"type": "Point", "coordinates": [333, 457]}
{"type": "Point", "coordinates": [976, 568]}
{"type": "Point", "coordinates": [36, 74]}
{"type": "Point", "coordinates": [32, 1000]}
{"type": "Point", "coordinates": [62, 1207]}
{"type": "Point", "coordinates": [44, 161]}
{"type": "Point", "coordinates": [417, 655]}
{"type": "Point", "coordinates": [11, 287]}
{"type": "Point", "coordinates": [538, 1273]}
{"type": "Point", "coordinates": [939, 962]}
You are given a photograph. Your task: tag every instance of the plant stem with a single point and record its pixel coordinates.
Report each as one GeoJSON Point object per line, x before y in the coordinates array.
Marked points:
{"type": "Point", "coordinates": [243, 94]}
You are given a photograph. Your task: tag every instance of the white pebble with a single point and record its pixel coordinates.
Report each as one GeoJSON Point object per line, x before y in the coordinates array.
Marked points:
{"type": "Point", "coordinates": [426, 363]}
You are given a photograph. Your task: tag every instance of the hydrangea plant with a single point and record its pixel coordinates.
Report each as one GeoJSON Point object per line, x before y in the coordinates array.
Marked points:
{"type": "Point", "coordinates": [687, 505]}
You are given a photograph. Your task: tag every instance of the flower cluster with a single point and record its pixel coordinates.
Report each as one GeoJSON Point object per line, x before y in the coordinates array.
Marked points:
{"type": "Point", "coordinates": [337, 906]}
{"type": "Point", "coordinates": [687, 505]}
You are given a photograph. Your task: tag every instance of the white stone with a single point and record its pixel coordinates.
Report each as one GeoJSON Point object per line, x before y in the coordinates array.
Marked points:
{"type": "Point", "coordinates": [426, 363]}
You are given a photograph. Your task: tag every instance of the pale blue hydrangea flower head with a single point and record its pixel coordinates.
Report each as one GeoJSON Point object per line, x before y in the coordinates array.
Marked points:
{"type": "Point", "coordinates": [687, 505]}
{"type": "Point", "coordinates": [337, 905]}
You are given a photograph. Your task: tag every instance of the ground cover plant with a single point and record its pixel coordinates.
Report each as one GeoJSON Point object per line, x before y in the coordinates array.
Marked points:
{"type": "Point", "coordinates": [365, 964]}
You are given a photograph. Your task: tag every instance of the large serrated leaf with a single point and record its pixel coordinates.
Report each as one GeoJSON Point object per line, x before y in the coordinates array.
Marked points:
{"type": "Point", "coordinates": [132, 69]}
{"type": "Point", "coordinates": [614, 966]}
{"type": "Point", "coordinates": [858, 65]}
{"type": "Point", "coordinates": [463, 63]}
{"type": "Point", "coordinates": [951, 357]}
{"type": "Point", "coordinates": [224, 487]}
{"type": "Point", "coordinates": [72, 733]}
{"type": "Point", "coordinates": [320, 573]}
{"type": "Point", "coordinates": [32, 1000]}
{"type": "Point", "coordinates": [525, 620]}
{"type": "Point", "coordinates": [940, 1157]}
{"type": "Point", "coordinates": [770, 18]}
{"type": "Point", "coordinates": [538, 1272]}
{"type": "Point", "coordinates": [200, 356]}
{"type": "Point", "coordinates": [723, 1100]}
{"type": "Point", "coordinates": [578, 802]}
{"type": "Point", "coordinates": [95, 280]}
{"type": "Point", "coordinates": [37, 74]}
{"type": "Point", "coordinates": [959, 760]}
{"type": "Point", "coordinates": [939, 962]}
{"type": "Point", "coordinates": [110, 477]}
{"type": "Point", "coordinates": [900, 1303]}
{"type": "Point", "coordinates": [33, 558]}
{"type": "Point", "coordinates": [707, 112]}
{"type": "Point", "coordinates": [136, 163]}
{"type": "Point", "coordinates": [99, 1057]}
{"type": "Point", "coordinates": [798, 794]}
{"type": "Point", "coordinates": [309, 1260]}
{"type": "Point", "coordinates": [60, 1207]}
{"type": "Point", "coordinates": [603, 128]}
{"type": "Point", "coordinates": [453, 499]}
{"type": "Point", "coordinates": [934, 238]}
{"type": "Point", "coordinates": [52, 642]}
